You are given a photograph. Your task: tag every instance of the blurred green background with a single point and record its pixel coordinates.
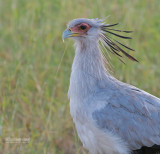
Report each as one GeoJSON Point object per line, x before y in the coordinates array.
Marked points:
{"type": "Point", "coordinates": [35, 66]}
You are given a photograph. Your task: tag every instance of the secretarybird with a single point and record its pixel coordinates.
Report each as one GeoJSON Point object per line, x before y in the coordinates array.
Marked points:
{"type": "Point", "coordinates": [111, 117]}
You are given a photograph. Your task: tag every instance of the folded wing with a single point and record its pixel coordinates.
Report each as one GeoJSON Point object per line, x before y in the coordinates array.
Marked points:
{"type": "Point", "coordinates": [130, 113]}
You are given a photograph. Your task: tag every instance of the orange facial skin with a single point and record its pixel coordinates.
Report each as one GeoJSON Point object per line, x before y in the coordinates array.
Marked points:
{"type": "Point", "coordinates": [81, 29]}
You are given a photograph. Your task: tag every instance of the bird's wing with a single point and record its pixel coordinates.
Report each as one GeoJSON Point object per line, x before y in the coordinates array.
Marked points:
{"type": "Point", "coordinates": [131, 113]}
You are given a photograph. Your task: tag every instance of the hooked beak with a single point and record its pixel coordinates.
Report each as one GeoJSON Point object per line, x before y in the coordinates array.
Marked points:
{"type": "Point", "coordinates": [68, 33]}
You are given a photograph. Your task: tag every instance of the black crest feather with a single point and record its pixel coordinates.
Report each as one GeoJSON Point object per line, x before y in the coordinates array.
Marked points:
{"type": "Point", "coordinates": [113, 45]}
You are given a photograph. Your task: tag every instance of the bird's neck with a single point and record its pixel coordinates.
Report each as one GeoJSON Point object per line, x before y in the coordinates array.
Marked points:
{"type": "Point", "coordinates": [88, 59]}
{"type": "Point", "coordinates": [87, 69]}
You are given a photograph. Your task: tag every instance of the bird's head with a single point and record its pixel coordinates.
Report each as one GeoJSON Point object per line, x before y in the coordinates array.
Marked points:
{"type": "Point", "coordinates": [83, 29]}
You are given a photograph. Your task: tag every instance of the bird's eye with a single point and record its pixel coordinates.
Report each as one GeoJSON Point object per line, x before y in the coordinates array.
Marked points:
{"type": "Point", "coordinates": [83, 27]}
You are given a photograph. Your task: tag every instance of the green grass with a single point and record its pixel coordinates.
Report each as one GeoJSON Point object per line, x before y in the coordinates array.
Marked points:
{"type": "Point", "coordinates": [34, 78]}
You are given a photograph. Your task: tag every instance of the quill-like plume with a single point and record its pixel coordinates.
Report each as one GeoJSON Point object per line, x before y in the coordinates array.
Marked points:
{"type": "Point", "coordinates": [113, 45]}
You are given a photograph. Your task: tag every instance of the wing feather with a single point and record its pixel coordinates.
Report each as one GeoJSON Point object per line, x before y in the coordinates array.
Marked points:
{"type": "Point", "coordinates": [130, 113]}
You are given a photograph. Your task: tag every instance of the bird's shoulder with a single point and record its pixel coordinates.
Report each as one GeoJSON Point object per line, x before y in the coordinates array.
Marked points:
{"type": "Point", "coordinates": [125, 96]}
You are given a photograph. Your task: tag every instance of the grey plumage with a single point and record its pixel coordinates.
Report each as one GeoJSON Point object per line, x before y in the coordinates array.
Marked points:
{"type": "Point", "coordinates": [111, 117]}
{"type": "Point", "coordinates": [133, 115]}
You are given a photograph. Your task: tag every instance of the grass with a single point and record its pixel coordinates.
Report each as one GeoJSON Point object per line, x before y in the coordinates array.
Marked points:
{"type": "Point", "coordinates": [34, 78]}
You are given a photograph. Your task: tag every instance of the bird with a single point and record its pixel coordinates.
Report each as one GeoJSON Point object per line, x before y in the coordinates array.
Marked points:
{"type": "Point", "coordinates": [110, 116]}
